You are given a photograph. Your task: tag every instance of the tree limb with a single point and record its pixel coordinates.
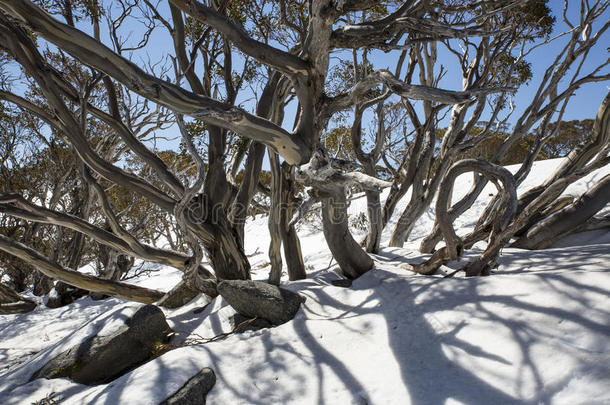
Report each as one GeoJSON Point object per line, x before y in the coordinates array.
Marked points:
{"type": "Point", "coordinates": [98, 56]}
{"type": "Point", "coordinates": [77, 279]}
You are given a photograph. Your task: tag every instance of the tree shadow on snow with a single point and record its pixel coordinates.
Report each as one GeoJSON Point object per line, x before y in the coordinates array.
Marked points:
{"type": "Point", "coordinates": [435, 359]}
{"type": "Point", "coordinates": [413, 326]}
{"type": "Point", "coordinates": [424, 347]}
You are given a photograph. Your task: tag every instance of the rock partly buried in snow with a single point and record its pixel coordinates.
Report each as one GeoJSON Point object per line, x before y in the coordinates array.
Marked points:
{"type": "Point", "coordinates": [100, 359]}
{"type": "Point", "coordinates": [195, 389]}
{"type": "Point", "coordinates": [261, 300]}
{"type": "Point", "coordinates": [178, 296]}
{"type": "Point", "coordinates": [241, 323]}
{"type": "Point", "coordinates": [342, 282]}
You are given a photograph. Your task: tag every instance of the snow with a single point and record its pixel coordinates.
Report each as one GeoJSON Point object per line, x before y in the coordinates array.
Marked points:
{"type": "Point", "coordinates": [536, 331]}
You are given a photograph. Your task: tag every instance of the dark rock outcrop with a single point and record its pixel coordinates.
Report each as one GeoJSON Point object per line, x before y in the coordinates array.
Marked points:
{"type": "Point", "coordinates": [100, 359]}
{"type": "Point", "coordinates": [261, 300]}
{"type": "Point", "coordinates": [195, 389]}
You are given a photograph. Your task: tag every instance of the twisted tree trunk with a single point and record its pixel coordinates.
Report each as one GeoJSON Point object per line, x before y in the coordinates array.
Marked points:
{"type": "Point", "coordinates": [275, 220]}
{"type": "Point", "coordinates": [550, 230]}
{"type": "Point", "coordinates": [454, 245]}
{"type": "Point", "coordinates": [288, 233]}
{"type": "Point", "coordinates": [352, 259]}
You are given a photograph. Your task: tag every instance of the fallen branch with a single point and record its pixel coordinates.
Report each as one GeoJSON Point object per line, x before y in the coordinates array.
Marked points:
{"type": "Point", "coordinates": [199, 340]}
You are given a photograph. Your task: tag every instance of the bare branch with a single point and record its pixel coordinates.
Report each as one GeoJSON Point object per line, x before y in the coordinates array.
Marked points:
{"type": "Point", "coordinates": [76, 279]}
{"type": "Point", "coordinates": [94, 54]}
{"type": "Point", "coordinates": [264, 53]}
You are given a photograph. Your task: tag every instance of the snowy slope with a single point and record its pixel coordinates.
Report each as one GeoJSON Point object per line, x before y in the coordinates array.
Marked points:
{"type": "Point", "coordinates": [537, 331]}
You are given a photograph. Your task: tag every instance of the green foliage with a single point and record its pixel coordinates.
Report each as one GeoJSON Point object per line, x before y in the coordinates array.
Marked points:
{"type": "Point", "coordinates": [516, 154]}
{"type": "Point", "coordinates": [73, 10]}
{"type": "Point", "coordinates": [341, 76]}
{"type": "Point", "coordinates": [359, 222]}
{"type": "Point", "coordinates": [568, 136]}
{"type": "Point", "coordinates": [537, 15]}
{"type": "Point", "coordinates": [338, 141]}
{"type": "Point", "coordinates": [509, 71]}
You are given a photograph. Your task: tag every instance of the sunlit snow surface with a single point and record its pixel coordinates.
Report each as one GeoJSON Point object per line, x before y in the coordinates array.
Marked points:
{"type": "Point", "coordinates": [537, 331]}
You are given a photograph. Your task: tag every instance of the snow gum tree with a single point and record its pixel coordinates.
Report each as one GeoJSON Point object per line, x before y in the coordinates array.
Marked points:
{"type": "Point", "coordinates": [234, 75]}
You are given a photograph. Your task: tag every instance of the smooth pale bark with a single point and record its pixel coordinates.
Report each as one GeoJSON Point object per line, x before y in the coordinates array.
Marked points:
{"type": "Point", "coordinates": [212, 227]}
{"type": "Point", "coordinates": [247, 188]}
{"type": "Point", "coordinates": [483, 263]}
{"type": "Point", "coordinates": [213, 230]}
{"type": "Point", "coordinates": [375, 227]}
{"type": "Point", "coordinates": [428, 244]}
{"type": "Point", "coordinates": [380, 34]}
{"type": "Point", "coordinates": [77, 279]}
{"type": "Point", "coordinates": [264, 53]}
{"type": "Point", "coordinates": [350, 256]}
{"type": "Point", "coordinates": [369, 162]}
{"type": "Point", "coordinates": [96, 55]}
{"type": "Point", "coordinates": [254, 163]}
{"type": "Point", "coordinates": [550, 230]}
{"type": "Point", "coordinates": [22, 48]}
{"type": "Point", "coordinates": [16, 205]}
{"type": "Point", "coordinates": [580, 155]}
{"type": "Point", "coordinates": [553, 207]}
{"type": "Point", "coordinates": [594, 224]}
{"type": "Point", "coordinates": [328, 182]}
{"type": "Point", "coordinates": [418, 92]}
{"type": "Point", "coordinates": [422, 191]}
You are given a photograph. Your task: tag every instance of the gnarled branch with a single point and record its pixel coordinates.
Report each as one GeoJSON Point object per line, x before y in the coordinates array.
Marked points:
{"type": "Point", "coordinates": [96, 55]}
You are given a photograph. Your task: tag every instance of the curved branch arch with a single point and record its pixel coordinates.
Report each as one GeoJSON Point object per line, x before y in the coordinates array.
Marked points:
{"type": "Point", "coordinates": [454, 245]}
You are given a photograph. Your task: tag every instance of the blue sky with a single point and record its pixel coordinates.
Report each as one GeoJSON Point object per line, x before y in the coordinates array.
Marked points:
{"type": "Point", "coordinates": [583, 105]}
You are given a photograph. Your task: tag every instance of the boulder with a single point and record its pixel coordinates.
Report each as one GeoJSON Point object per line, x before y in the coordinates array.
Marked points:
{"type": "Point", "coordinates": [261, 300]}
{"type": "Point", "coordinates": [238, 319]}
{"type": "Point", "coordinates": [195, 389]}
{"type": "Point", "coordinates": [342, 282]}
{"type": "Point", "coordinates": [101, 359]}
{"type": "Point", "coordinates": [178, 296]}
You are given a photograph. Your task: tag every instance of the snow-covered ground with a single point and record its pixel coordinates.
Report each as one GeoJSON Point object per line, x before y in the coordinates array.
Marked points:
{"type": "Point", "coordinates": [537, 331]}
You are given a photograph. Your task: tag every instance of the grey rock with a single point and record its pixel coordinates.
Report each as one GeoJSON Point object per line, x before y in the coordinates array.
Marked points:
{"type": "Point", "coordinates": [342, 282]}
{"type": "Point", "coordinates": [195, 389]}
{"type": "Point", "coordinates": [101, 359]}
{"type": "Point", "coordinates": [178, 296]}
{"type": "Point", "coordinates": [261, 300]}
{"type": "Point", "coordinates": [239, 319]}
